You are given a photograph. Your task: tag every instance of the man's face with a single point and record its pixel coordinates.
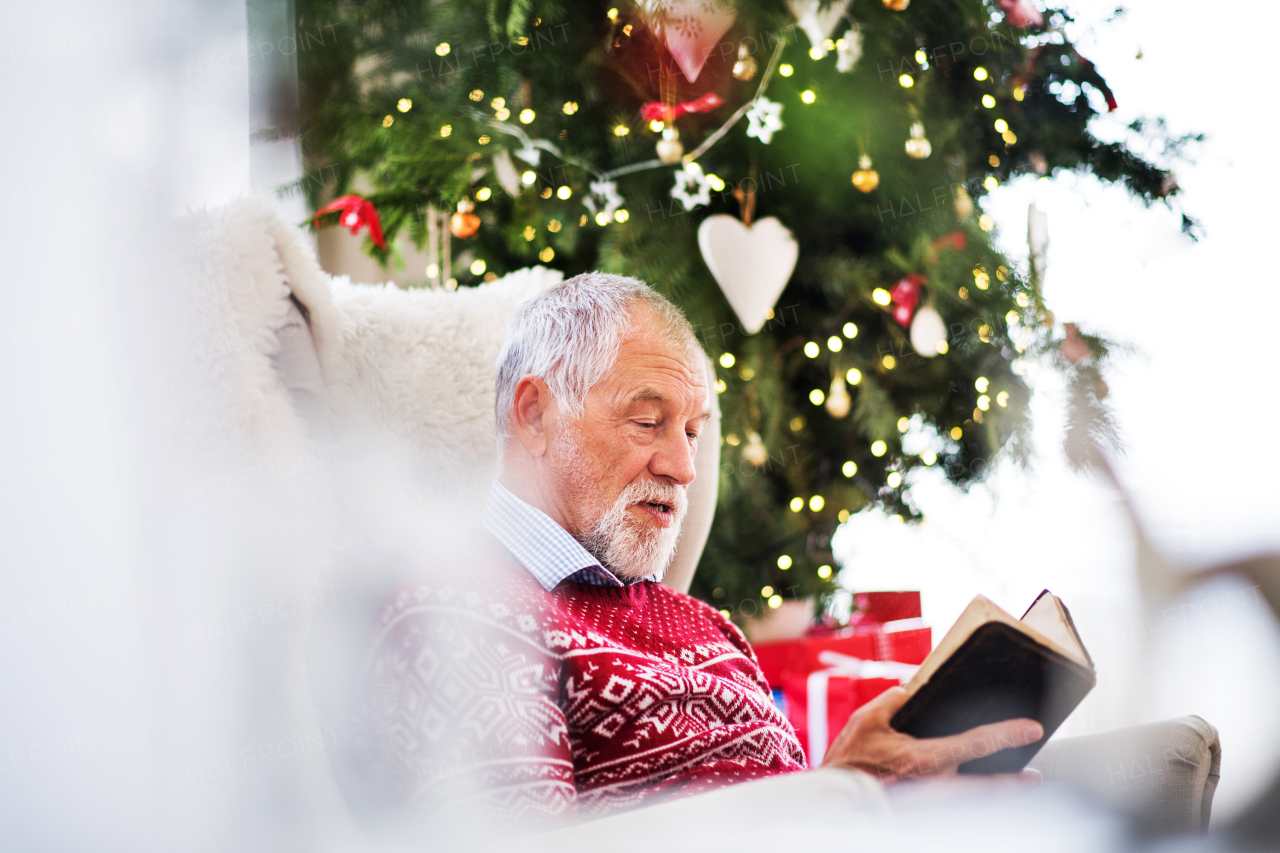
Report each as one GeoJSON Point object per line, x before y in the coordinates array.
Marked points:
{"type": "Point", "coordinates": [622, 470]}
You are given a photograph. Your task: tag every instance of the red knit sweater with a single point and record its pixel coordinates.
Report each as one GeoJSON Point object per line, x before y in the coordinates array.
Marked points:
{"type": "Point", "coordinates": [571, 703]}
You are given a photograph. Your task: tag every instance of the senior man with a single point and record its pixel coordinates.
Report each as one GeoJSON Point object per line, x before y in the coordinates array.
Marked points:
{"type": "Point", "coordinates": [553, 675]}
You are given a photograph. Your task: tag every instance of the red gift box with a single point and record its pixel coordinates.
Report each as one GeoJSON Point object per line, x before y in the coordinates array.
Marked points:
{"type": "Point", "coordinates": [841, 694]}
{"type": "Point", "coordinates": [880, 607]}
{"type": "Point", "coordinates": [801, 656]}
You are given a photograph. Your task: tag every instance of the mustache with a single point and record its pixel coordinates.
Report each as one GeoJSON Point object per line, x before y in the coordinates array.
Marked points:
{"type": "Point", "coordinates": [655, 491]}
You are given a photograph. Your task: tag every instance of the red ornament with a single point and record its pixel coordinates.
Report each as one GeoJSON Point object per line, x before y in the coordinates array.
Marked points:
{"type": "Point", "coordinates": [1020, 13]}
{"type": "Point", "coordinates": [355, 213]}
{"type": "Point", "coordinates": [955, 240]}
{"type": "Point", "coordinates": [906, 295]}
{"type": "Point", "coordinates": [655, 111]}
{"type": "Point", "coordinates": [464, 223]}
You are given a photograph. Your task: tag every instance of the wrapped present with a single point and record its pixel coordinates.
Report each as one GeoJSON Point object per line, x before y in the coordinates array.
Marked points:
{"type": "Point", "coordinates": [819, 703]}
{"type": "Point", "coordinates": [800, 657]}
{"type": "Point", "coordinates": [877, 608]}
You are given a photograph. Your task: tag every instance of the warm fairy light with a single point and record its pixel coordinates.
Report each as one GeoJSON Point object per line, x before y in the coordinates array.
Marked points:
{"type": "Point", "coordinates": [844, 515]}
{"type": "Point", "coordinates": [483, 194]}
{"type": "Point", "coordinates": [528, 178]}
{"type": "Point", "coordinates": [986, 223]}
{"type": "Point", "coordinates": [1009, 137]}
{"type": "Point", "coordinates": [725, 613]}
{"type": "Point", "coordinates": [1019, 93]}
{"type": "Point", "coordinates": [956, 432]}
{"type": "Point", "coordinates": [894, 479]}
{"type": "Point", "coordinates": [980, 278]}
{"type": "Point", "coordinates": [483, 140]}
{"type": "Point", "coordinates": [553, 226]}
{"type": "Point", "coordinates": [613, 14]}
{"type": "Point", "coordinates": [529, 232]}
{"type": "Point", "coordinates": [1001, 125]}
{"type": "Point", "coordinates": [994, 160]}
{"type": "Point", "coordinates": [942, 345]}
{"type": "Point", "coordinates": [476, 95]}
{"type": "Point", "coordinates": [656, 126]}
{"type": "Point", "coordinates": [816, 52]}
{"type": "Point", "coordinates": [766, 591]}
{"type": "Point", "coordinates": [1002, 399]}
{"type": "Point", "coordinates": [854, 376]}
{"type": "Point", "coordinates": [732, 439]}
{"type": "Point", "coordinates": [445, 130]}
{"type": "Point", "coordinates": [982, 384]}
{"type": "Point", "coordinates": [990, 183]}
{"type": "Point", "coordinates": [812, 349]}
{"type": "Point", "coordinates": [477, 267]}
{"type": "Point", "coordinates": [386, 121]}
{"type": "Point", "coordinates": [546, 255]}
{"type": "Point", "coordinates": [834, 344]}
{"type": "Point", "coordinates": [816, 503]}
{"type": "Point", "coordinates": [849, 468]}
{"type": "Point", "coordinates": [979, 73]}
{"type": "Point", "coordinates": [563, 193]}
{"type": "Point", "coordinates": [716, 182]}
{"type": "Point", "coordinates": [1002, 273]}
{"type": "Point", "coordinates": [905, 81]}
{"type": "Point", "coordinates": [626, 31]}
{"type": "Point", "coordinates": [889, 362]}
{"type": "Point", "coordinates": [570, 107]}
{"type": "Point", "coordinates": [786, 70]}
{"type": "Point", "coordinates": [797, 504]}
{"type": "Point", "coordinates": [404, 105]}
{"type": "Point", "coordinates": [903, 424]}
{"type": "Point", "coordinates": [928, 457]}
{"type": "Point", "coordinates": [775, 601]}
{"type": "Point", "coordinates": [442, 49]}
{"type": "Point", "coordinates": [881, 296]}
{"type": "Point", "coordinates": [984, 333]}
{"type": "Point", "coordinates": [850, 330]}
{"type": "Point", "coordinates": [526, 116]}
{"type": "Point", "coordinates": [621, 130]}
{"type": "Point", "coordinates": [720, 386]}
{"type": "Point", "coordinates": [824, 572]}
{"type": "Point", "coordinates": [433, 270]}
{"type": "Point", "coordinates": [747, 373]}
{"type": "Point", "coordinates": [621, 215]}
{"type": "Point", "coordinates": [988, 101]}
{"type": "Point", "coordinates": [984, 402]}
{"type": "Point", "coordinates": [602, 218]}
{"type": "Point", "coordinates": [784, 562]}
{"type": "Point", "coordinates": [1011, 318]}
{"type": "Point", "coordinates": [727, 360]}
{"type": "Point", "coordinates": [797, 424]}
{"type": "Point", "coordinates": [816, 396]}
{"type": "Point", "coordinates": [498, 103]}
{"type": "Point", "coordinates": [502, 114]}
{"type": "Point", "coordinates": [921, 57]}
{"type": "Point", "coordinates": [808, 96]}
{"type": "Point", "coordinates": [879, 448]}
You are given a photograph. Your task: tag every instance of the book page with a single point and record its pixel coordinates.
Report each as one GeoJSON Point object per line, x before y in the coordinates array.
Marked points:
{"type": "Point", "coordinates": [1048, 617]}
{"type": "Point", "coordinates": [979, 612]}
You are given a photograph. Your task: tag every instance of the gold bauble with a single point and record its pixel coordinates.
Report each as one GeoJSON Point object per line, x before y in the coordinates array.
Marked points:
{"type": "Point", "coordinates": [866, 178]}
{"type": "Point", "coordinates": [669, 148]}
{"type": "Point", "coordinates": [745, 67]}
{"type": "Point", "coordinates": [896, 5]}
{"type": "Point", "coordinates": [754, 450]}
{"type": "Point", "coordinates": [917, 146]}
{"type": "Point", "coordinates": [838, 401]}
{"type": "Point", "coordinates": [464, 223]}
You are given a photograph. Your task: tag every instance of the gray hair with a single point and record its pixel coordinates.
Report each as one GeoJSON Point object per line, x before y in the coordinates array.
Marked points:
{"type": "Point", "coordinates": [569, 335]}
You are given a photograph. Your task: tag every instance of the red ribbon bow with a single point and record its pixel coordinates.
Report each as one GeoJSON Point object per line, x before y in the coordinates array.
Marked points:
{"type": "Point", "coordinates": [356, 213]}
{"type": "Point", "coordinates": [905, 295]}
{"type": "Point", "coordinates": [655, 111]}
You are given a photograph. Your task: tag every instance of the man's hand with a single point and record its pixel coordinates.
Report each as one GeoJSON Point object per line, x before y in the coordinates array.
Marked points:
{"type": "Point", "coordinates": [868, 743]}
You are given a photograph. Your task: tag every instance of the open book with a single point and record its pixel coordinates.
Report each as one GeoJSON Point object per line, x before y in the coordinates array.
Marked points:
{"type": "Point", "coordinates": [992, 667]}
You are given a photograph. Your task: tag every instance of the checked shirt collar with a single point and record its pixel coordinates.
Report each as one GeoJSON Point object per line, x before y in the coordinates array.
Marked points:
{"type": "Point", "coordinates": [543, 547]}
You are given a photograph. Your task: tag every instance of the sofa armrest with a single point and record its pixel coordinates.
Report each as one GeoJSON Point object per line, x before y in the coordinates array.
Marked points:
{"type": "Point", "coordinates": [1163, 775]}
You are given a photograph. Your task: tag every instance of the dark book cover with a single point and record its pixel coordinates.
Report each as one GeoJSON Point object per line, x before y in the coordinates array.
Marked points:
{"type": "Point", "coordinates": [997, 674]}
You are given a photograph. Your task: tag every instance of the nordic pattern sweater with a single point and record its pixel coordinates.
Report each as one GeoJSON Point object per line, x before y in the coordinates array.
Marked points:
{"type": "Point", "coordinates": [487, 693]}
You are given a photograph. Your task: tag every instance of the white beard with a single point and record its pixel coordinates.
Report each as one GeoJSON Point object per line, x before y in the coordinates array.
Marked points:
{"type": "Point", "coordinates": [623, 544]}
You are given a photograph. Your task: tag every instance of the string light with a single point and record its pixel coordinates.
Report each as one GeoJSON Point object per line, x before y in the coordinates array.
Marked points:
{"type": "Point", "coordinates": [476, 95]}
{"type": "Point", "coordinates": [816, 396]}
{"type": "Point", "coordinates": [1002, 399]}
{"type": "Point", "coordinates": [797, 424]}
{"type": "Point", "coordinates": [903, 424]}
{"type": "Point", "coordinates": [716, 182]}
{"type": "Point", "coordinates": [797, 504]}
{"type": "Point", "coordinates": [850, 330]}
{"type": "Point", "coordinates": [879, 448]}
{"type": "Point", "coordinates": [834, 344]}
{"type": "Point", "coordinates": [727, 360]}
{"type": "Point", "coordinates": [386, 122]}
{"type": "Point", "coordinates": [889, 362]}
{"type": "Point", "coordinates": [656, 126]}
{"type": "Point", "coordinates": [553, 226]}
{"type": "Point", "coordinates": [844, 515]}
{"type": "Point", "coordinates": [528, 178]}
{"type": "Point", "coordinates": [956, 432]}
{"type": "Point", "coordinates": [602, 218]}
{"type": "Point", "coordinates": [784, 562]}
{"type": "Point", "coordinates": [621, 130]}
{"type": "Point", "coordinates": [477, 267]}
{"type": "Point", "coordinates": [881, 296]}
{"type": "Point", "coordinates": [1001, 125]}
{"type": "Point", "coordinates": [546, 255]}
{"type": "Point", "coordinates": [529, 232]}
{"type": "Point", "coordinates": [986, 223]}
{"type": "Point", "coordinates": [613, 14]}
{"type": "Point", "coordinates": [980, 278]}
{"type": "Point", "coordinates": [786, 70]}
{"type": "Point", "coordinates": [570, 107]}
{"type": "Point", "coordinates": [446, 130]}
{"type": "Point", "coordinates": [928, 457]}
{"type": "Point", "coordinates": [484, 140]}
{"type": "Point", "coordinates": [812, 349]}
{"type": "Point", "coordinates": [720, 386]}
{"type": "Point", "coordinates": [563, 193]}
{"type": "Point", "coordinates": [824, 572]}
{"type": "Point", "coordinates": [808, 96]}
{"type": "Point", "coordinates": [990, 183]}
{"type": "Point", "coordinates": [775, 601]}
{"type": "Point", "coordinates": [621, 215]}
{"type": "Point", "coordinates": [905, 81]}
{"type": "Point", "coordinates": [526, 116]}
{"type": "Point", "coordinates": [442, 49]}
{"type": "Point", "coordinates": [979, 73]}
{"type": "Point", "coordinates": [404, 105]}
{"type": "Point", "coordinates": [982, 384]}
{"type": "Point", "coordinates": [988, 101]}
{"type": "Point", "coordinates": [849, 468]}
{"type": "Point", "coordinates": [1022, 299]}
{"type": "Point", "coordinates": [816, 503]}
{"type": "Point", "coordinates": [766, 591]}
{"type": "Point", "coordinates": [483, 194]}
{"type": "Point", "coordinates": [854, 376]}
{"type": "Point", "coordinates": [984, 402]}
{"type": "Point", "coordinates": [894, 479]}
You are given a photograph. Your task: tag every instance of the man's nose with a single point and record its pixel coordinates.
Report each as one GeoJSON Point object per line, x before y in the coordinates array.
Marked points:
{"type": "Point", "coordinates": [673, 459]}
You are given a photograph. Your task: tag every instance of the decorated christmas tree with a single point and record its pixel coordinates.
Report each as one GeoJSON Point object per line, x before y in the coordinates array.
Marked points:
{"type": "Point", "coordinates": [805, 181]}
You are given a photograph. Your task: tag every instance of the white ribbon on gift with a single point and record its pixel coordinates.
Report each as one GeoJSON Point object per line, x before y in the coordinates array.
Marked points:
{"type": "Point", "coordinates": [842, 666]}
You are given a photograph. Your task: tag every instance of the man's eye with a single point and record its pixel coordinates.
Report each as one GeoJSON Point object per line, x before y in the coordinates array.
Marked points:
{"type": "Point", "coordinates": [646, 424]}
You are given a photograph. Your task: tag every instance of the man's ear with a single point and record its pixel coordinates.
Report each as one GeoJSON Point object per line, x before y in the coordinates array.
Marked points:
{"type": "Point", "coordinates": [532, 410]}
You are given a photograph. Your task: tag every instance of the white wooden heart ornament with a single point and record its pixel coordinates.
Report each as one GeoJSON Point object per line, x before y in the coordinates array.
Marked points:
{"type": "Point", "coordinates": [752, 264]}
